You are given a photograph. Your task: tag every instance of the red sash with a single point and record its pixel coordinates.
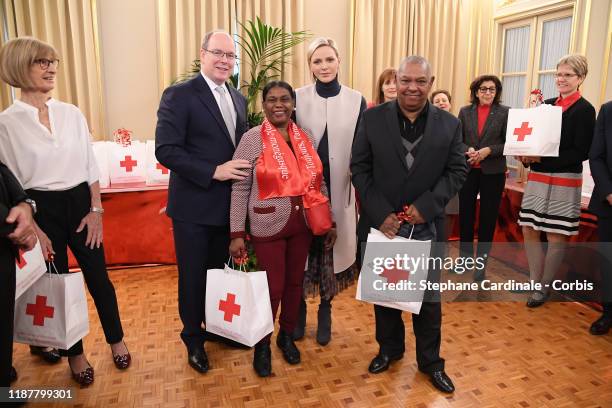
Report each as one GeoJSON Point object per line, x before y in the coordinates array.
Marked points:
{"type": "Point", "coordinates": [280, 173]}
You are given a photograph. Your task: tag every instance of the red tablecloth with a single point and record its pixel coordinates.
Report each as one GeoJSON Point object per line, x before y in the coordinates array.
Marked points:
{"type": "Point", "coordinates": [136, 228]}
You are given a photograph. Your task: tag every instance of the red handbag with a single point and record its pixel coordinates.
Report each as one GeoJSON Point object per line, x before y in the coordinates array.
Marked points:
{"type": "Point", "coordinates": [319, 218]}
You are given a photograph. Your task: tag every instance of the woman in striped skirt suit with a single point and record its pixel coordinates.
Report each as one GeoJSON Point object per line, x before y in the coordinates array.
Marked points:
{"type": "Point", "coordinates": [551, 203]}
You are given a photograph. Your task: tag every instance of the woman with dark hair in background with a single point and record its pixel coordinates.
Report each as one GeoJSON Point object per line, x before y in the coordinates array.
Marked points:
{"type": "Point", "coordinates": [386, 88]}
{"type": "Point", "coordinates": [484, 124]}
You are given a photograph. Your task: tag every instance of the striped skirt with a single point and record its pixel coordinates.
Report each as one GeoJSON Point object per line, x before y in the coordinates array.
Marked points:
{"type": "Point", "coordinates": [551, 202]}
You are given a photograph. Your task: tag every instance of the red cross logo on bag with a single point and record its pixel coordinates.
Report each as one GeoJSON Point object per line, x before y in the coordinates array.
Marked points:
{"type": "Point", "coordinates": [40, 310]}
{"type": "Point", "coordinates": [128, 163]}
{"type": "Point", "coordinates": [21, 261]}
{"type": "Point", "coordinates": [229, 307]}
{"type": "Point", "coordinates": [395, 275]}
{"type": "Point", "coordinates": [161, 167]}
{"type": "Point", "coordinates": [522, 131]}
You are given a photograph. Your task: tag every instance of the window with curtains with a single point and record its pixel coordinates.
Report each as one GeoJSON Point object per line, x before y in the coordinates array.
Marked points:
{"type": "Point", "coordinates": [530, 50]}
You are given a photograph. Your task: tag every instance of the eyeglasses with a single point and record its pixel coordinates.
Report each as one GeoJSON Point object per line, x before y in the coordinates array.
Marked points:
{"type": "Point", "coordinates": [220, 54]}
{"type": "Point", "coordinates": [484, 89]}
{"type": "Point", "coordinates": [46, 63]}
{"type": "Point", "coordinates": [559, 75]}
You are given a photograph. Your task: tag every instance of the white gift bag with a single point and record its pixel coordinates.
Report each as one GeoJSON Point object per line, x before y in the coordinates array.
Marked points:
{"type": "Point", "coordinates": [30, 267]}
{"type": "Point", "coordinates": [379, 253]}
{"type": "Point", "coordinates": [238, 305]}
{"type": "Point", "coordinates": [534, 131]}
{"type": "Point", "coordinates": [127, 164]}
{"type": "Point", "coordinates": [100, 150]}
{"type": "Point", "coordinates": [52, 312]}
{"type": "Point", "coordinates": [156, 173]}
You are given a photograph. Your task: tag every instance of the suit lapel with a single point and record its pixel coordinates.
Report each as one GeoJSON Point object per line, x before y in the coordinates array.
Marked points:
{"type": "Point", "coordinates": [240, 108]}
{"type": "Point", "coordinates": [428, 138]}
{"type": "Point", "coordinates": [473, 124]}
{"type": "Point", "coordinates": [208, 100]}
{"type": "Point", "coordinates": [394, 132]}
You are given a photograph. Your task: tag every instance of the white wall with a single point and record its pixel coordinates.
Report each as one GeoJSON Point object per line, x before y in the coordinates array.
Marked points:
{"type": "Point", "coordinates": [128, 50]}
{"type": "Point", "coordinates": [331, 18]}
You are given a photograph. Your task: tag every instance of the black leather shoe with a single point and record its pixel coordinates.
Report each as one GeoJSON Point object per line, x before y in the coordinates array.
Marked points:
{"type": "Point", "coordinates": [533, 302]}
{"type": "Point", "coordinates": [52, 356]}
{"type": "Point", "coordinates": [381, 362]}
{"type": "Point", "coordinates": [601, 325]}
{"type": "Point", "coordinates": [198, 360]}
{"type": "Point", "coordinates": [287, 346]}
{"type": "Point", "coordinates": [262, 360]}
{"type": "Point", "coordinates": [441, 381]}
{"type": "Point", "coordinates": [12, 375]}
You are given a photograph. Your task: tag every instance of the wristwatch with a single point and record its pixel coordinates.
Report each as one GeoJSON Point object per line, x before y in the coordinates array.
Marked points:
{"type": "Point", "coordinates": [31, 203]}
{"type": "Point", "coordinates": [98, 210]}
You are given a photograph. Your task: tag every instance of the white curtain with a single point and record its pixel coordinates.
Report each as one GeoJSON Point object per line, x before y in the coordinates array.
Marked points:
{"type": "Point", "coordinates": [516, 49]}
{"type": "Point", "coordinates": [555, 44]}
{"type": "Point", "coordinates": [555, 41]}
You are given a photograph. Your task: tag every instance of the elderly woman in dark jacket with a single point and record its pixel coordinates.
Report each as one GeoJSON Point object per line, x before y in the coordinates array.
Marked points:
{"type": "Point", "coordinates": [484, 134]}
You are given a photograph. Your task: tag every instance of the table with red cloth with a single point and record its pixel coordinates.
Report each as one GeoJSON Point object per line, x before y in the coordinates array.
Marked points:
{"type": "Point", "coordinates": [137, 230]}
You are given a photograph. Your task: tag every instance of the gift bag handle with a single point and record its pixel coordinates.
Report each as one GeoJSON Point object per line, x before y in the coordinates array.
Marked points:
{"type": "Point", "coordinates": [241, 267]}
{"type": "Point", "coordinates": [51, 264]}
{"type": "Point", "coordinates": [411, 231]}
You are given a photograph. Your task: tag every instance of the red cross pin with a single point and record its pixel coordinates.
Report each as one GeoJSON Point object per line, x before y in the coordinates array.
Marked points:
{"type": "Point", "coordinates": [21, 261]}
{"type": "Point", "coordinates": [229, 307]}
{"type": "Point", "coordinates": [161, 167]}
{"type": "Point", "coordinates": [128, 163]}
{"type": "Point", "coordinates": [40, 310]}
{"type": "Point", "coordinates": [523, 131]}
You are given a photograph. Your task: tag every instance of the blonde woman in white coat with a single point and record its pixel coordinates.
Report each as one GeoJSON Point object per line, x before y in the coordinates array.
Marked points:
{"type": "Point", "coordinates": [330, 112]}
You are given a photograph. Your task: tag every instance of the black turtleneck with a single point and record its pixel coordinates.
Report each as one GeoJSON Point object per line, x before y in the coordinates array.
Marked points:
{"type": "Point", "coordinates": [329, 90]}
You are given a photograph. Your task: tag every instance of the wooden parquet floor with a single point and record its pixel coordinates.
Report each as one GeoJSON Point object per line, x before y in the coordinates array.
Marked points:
{"type": "Point", "coordinates": [498, 354]}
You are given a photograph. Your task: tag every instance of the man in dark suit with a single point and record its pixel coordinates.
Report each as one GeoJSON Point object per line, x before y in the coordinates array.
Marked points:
{"type": "Point", "coordinates": [600, 161]}
{"type": "Point", "coordinates": [199, 125]}
{"type": "Point", "coordinates": [408, 152]}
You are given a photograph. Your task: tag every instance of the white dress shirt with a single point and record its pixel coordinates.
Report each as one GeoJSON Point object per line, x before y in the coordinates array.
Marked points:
{"type": "Point", "coordinates": [43, 160]}
{"type": "Point", "coordinates": [213, 86]}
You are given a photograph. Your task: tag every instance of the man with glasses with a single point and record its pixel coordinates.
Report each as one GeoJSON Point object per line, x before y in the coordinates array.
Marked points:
{"type": "Point", "coordinates": [199, 125]}
{"type": "Point", "coordinates": [408, 153]}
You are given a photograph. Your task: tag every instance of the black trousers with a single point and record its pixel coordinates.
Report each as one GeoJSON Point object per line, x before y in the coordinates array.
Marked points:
{"type": "Point", "coordinates": [198, 248]}
{"type": "Point", "coordinates": [427, 325]}
{"type": "Point", "coordinates": [490, 187]}
{"type": "Point", "coordinates": [7, 310]}
{"type": "Point", "coordinates": [604, 231]}
{"type": "Point", "coordinates": [391, 334]}
{"type": "Point", "coordinates": [59, 215]}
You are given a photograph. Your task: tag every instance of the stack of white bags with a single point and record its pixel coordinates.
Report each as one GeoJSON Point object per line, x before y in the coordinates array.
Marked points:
{"type": "Point", "coordinates": [132, 164]}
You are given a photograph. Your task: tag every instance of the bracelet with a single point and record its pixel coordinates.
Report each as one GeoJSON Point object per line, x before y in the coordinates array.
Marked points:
{"type": "Point", "coordinates": [98, 210]}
